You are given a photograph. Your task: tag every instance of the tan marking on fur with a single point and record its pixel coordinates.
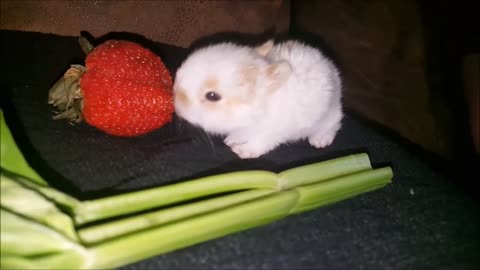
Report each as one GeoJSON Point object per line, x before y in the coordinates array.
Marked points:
{"type": "Point", "coordinates": [211, 83]}
{"type": "Point", "coordinates": [271, 71]}
{"type": "Point", "coordinates": [236, 102]}
{"type": "Point", "coordinates": [265, 48]}
{"type": "Point", "coordinates": [278, 74]}
{"type": "Point", "coordinates": [248, 74]}
{"type": "Point", "coordinates": [181, 97]}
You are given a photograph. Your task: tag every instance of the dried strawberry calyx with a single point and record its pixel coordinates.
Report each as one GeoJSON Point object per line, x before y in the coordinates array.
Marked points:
{"type": "Point", "coordinates": [66, 95]}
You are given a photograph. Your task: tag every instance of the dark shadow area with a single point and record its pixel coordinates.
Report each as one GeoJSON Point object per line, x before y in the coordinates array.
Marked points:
{"type": "Point", "coordinates": [435, 161]}
{"type": "Point", "coordinates": [312, 39]}
{"type": "Point", "coordinates": [450, 32]}
{"type": "Point", "coordinates": [33, 158]}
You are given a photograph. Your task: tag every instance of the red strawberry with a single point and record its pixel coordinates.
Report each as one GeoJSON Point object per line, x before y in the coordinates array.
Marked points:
{"type": "Point", "coordinates": [129, 60]}
{"type": "Point", "coordinates": [124, 90]}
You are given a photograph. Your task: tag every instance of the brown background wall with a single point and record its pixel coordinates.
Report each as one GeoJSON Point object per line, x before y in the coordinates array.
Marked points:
{"type": "Point", "coordinates": [381, 47]}
{"type": "Point", "coordinates": [178, 22]}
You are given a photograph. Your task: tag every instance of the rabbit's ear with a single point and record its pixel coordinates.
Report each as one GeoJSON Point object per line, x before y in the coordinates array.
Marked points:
{"type": "Point", "coordinates": [265, 48]}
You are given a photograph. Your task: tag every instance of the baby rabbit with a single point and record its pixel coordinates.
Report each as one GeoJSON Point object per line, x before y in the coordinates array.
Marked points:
{"type": "Point", "coordinates": [260, 97]}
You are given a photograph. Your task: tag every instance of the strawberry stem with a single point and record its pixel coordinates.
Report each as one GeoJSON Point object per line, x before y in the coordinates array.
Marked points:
{"type": "Point", "coordinates": [86, 45]}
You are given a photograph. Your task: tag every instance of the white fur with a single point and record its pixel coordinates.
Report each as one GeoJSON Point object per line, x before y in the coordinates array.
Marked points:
{"type": "Point", "coordinates": [302, 99]}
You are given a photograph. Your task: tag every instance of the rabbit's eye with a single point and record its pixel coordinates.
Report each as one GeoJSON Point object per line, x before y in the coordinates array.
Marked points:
{"type": "Point", "coordinates": [212, 96]}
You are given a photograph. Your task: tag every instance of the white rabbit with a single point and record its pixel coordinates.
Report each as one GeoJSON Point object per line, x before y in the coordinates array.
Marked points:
{"type": "Point", "coordinates": [261, 97]}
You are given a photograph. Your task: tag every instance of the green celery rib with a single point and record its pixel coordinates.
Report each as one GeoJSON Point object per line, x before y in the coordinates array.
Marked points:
{"type": "Point", "coordinates": [16, 262]}
{"type": "Point", "coordinates": [145, 244]}
{"type": "Point", "coordinates": [320, 171]}
{"type": "Point", "coordinates": [61, 199]}
{"type": "Point", "coordinates": [104, 231]}
{"type": "Point", "coordinates": [139, 245]}
{"type": "Point", "coordinates": [26, 244]}
{"type": "Point", "coordinates": [15, 197]}
{"type": "Point", "coordinates": [323, 191]}
{"type": "Point", "coordinates": [11, 158]}
{"type": "Point", "coordinates": [236, 218]}
{"type": "Point", "coordinates": [165, 195]}
{"type": "Point", "coordinates": [162, 196]}
{"type": "Point", "coordinates": [316, 195]}
{"type": "Point", "coordinates": [21, 236]}
{"type": "Point", "coordinates": [66, 259]}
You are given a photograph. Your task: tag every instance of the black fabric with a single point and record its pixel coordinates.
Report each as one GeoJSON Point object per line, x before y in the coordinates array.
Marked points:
{"type": "Point", "coordinates": [420, 221]}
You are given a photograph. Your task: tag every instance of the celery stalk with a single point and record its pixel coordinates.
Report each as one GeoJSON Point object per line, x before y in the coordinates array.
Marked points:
{"type": "Point", "coordinates": [320, 171]}
{"type": "Point", "coordinates": [165, 195]}
{"type": "Point", "coordinates": [25, 242]}
{"type": "Point", "coordinates": [37, 234]}
{"type": "Point", "coordinates": [194, 230]}
{"type": "Point", "coordinates": [320, 194]}
{"type": "Point", "coordinates": [139, 222]}
{"type": "Point", "coordinates": [227, 182]}
{"type": "Point", "coordinates": [29, 203]}
{"type": "Point", "coordinates": [203, 227]}
{"type": "Point", "coordinates": [237, 218]}
{"type": "Point", "coordinates": [12, 158]}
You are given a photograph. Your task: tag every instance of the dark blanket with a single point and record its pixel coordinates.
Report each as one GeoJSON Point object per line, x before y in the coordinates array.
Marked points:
{"type": "Point", "coordinates": [422, 220]}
